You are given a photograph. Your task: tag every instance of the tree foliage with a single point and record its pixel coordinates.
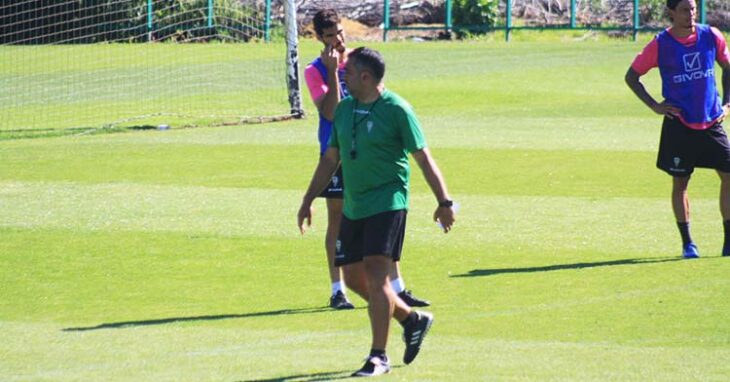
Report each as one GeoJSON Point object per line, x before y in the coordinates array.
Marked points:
{"type": "Point", "coordinates": [475, 16]}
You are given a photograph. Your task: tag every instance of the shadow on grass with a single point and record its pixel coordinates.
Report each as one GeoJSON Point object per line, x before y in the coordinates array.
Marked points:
{"type": "Point", "coordinates": [560, 267]}
{"type": "Point", "coordinates": [171, 320]}
{"type": "Point", "coordinates": [326, 376]}
{"type": "Point", "coordinates": [49, 133]}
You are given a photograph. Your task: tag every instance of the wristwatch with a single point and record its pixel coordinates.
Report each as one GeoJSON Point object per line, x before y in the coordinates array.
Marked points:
{"type": "Point", "coordinates": [446, 203]}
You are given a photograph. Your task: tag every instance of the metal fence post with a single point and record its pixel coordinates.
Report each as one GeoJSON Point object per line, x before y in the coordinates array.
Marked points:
{"type": "Point", "coordinates": [636, 19]}
{"type": "Point", "coordinates": [572, 14]}
{"type": "Point", "coordinates": [210, 13]}
{"type": "Point", "coordinates": [508, 27]}
{"type": "Point", "coordinates": [386, 19]}
{"type": "Point", "coordinates": [703, 12]}
{"type": "Point", "coordinates": [448, 16]}
{"type": "Point", "coordinates": [149, 20]}
{"type": "Point", "coordinates": [267, 27]}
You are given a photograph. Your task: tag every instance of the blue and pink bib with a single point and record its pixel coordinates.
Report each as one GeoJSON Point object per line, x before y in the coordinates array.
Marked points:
{"type": "Point", "coordinates": [325, 125]}
{"type": "Point", "coordinates": [688, 76]}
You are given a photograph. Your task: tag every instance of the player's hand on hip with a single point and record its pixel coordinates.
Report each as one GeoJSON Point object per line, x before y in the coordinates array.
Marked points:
{"type": "Point", "coordinates": [304, 216]}
{"type": "Point", "coordinates": [444, 216]}
{"type": "Point", "coordinates": [725, 112]}
{"type": "Point", "coordinates": [666, 109]}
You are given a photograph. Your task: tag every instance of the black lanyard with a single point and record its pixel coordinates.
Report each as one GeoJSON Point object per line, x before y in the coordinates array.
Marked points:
{"type": "Point", "coordinates": [356, 123]}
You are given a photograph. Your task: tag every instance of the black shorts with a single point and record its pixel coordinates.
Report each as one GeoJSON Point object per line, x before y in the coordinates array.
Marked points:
{"type": "Point", "coordinates": [335, 187]}
{"type": "Point", "coordinates": [380, 234]}
{"type": "Point", "coordinates": [681, 149]}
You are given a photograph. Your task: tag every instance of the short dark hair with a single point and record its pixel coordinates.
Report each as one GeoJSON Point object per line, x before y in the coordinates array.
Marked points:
{"type": "Point", "coordinates": [368, 59]}
{"type": "Point", "coordinates": [672, 4]}
{"type": "Point", "coordinates": [325, 18]}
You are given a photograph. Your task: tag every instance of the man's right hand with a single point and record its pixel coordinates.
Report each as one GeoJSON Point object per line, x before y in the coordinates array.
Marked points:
{"type": "Point", "coordinates": [304, 215]}
{"type": "Point", "coordinates": [666, 109]}
{"type": "Point", "coordinates": [330, 58]}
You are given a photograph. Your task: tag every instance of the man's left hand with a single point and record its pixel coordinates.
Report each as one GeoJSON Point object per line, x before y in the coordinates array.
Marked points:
{"type": "Point", "coordinates": [725, 112]}
{"type": "Point", "coordinates": [445, 217]}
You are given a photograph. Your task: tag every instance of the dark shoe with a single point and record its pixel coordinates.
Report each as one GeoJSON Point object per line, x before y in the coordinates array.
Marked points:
{"type": "Point", "coordinates": [339, 301]}
{"type": "Point", "coordinates": [373, 366]}
{"type": "Point", "coordinates": [413, 335]}
{"type": "Point", "coordinates": [726, 250]}
{"type": "Point", "coordinates": [412, 300]}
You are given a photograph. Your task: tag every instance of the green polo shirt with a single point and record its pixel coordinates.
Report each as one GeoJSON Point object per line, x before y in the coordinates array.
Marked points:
{"type": "Point", "coordinates": [384, 132]}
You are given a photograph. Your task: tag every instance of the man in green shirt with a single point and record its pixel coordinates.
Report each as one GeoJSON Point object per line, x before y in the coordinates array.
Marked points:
{"type": "Point", "coordinates": [375, 129]}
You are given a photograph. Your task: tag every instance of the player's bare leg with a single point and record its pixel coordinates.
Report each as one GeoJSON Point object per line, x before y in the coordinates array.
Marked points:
{"type": "Point", "coordinates": [415, 324]}
{"type": "Point", "coordinates": [357, 281]}
{"type": "Point", "coordinates": [680, 206]}
{"type": "Point", "coordinates": [334, 216]}
{"type": "Point", "coordinates": [680, 199]}
{"type": "Point", "coordinates": [725, 209]}
{"type": "Point", "coordinates": [396, 282]}
{"type": "Point", "coordinates": [381, 303]}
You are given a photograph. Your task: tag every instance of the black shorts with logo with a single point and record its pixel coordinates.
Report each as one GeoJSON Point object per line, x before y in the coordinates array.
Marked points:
{"type": "Point", "coordinates": [380, 234]}
{"type": "Point", "coordinates": [336, 186]}
{"type": "Point", "coordinates": [681, 149]}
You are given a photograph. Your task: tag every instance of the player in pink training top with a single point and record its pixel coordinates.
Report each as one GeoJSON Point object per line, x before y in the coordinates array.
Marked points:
{"type": "Point", "coordinates": [692, 134]}
{"type": "Point", "coordinates": [325, 80]}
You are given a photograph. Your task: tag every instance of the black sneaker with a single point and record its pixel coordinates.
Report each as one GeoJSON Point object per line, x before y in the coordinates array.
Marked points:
{"type": "Point", "coordinates": [413, 335]}
{"type": "Point", "coordinates": [373, 366]}
{"type": "Point", "coordinates": [339, 301]}
{"type": "Point", "coordinates": [412, 300]}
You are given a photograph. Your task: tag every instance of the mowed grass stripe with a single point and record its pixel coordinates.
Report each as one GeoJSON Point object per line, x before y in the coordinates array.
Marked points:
{"type": "Point", "coordinates": [619, 133]}
{"type": "Point", "coordinates": [161, 353]}
{"type": "Point", "coordinates": [667, 304]}
{"type": "Point", "coordinates": [211, 354]}
{"type": "Point", "coordinates": [88, 278]}
{"type": "Point", "coordinates": [542, 133]}
{"type": "Point", "coordinates": [551, 223]}
{"type": "Point", "coordinates": [217, 281]}
{"type": "Point", "coordinates": [150, 208]}
{"type": "Point", "coordinates": [582, 173]}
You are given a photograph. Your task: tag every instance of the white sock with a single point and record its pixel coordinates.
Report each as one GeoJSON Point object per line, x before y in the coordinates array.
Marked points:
{"type": "Point", "coordinates": [338, 286]}
{"type": "Point", "coordinates": [398, 285]}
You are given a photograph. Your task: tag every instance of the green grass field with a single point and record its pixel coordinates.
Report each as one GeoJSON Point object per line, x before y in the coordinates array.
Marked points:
{"type": "Point", "coordinates": [174, 255]}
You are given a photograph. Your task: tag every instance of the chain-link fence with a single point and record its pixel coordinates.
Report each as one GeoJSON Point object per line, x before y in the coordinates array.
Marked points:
{"type": "Point", "coordinates": [444, 17]}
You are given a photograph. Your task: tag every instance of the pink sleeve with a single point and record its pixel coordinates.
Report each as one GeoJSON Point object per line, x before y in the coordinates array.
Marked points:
{"type": "Point", "coordinates": [315, 83]}
{"type": "Point", "coordinates": [647, 59]}
{"type": "Point", "coordinates": [723, 55]}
